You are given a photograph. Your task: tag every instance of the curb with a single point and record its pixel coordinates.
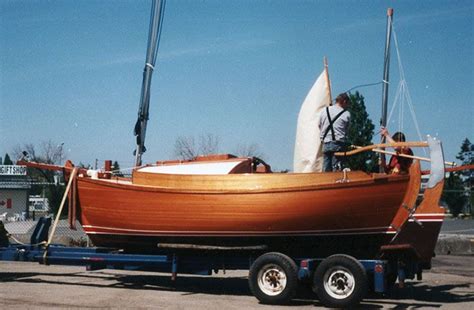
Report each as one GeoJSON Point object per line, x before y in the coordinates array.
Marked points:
{"type": "Point", "coordinates": [450, 244]}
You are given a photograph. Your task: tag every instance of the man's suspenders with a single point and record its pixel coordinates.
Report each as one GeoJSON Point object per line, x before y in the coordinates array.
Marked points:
{"type": "Point", "coordinates": [331, 123]}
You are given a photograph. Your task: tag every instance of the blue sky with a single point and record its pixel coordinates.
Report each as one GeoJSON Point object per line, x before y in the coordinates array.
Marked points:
{"type": "Point", "coordinates": [71, 71]}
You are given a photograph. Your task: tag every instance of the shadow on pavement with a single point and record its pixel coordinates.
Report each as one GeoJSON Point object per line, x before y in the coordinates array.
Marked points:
{"type": "Point", "coordinates": [420, 295]}
{"type": "Point", "coordinates": [185, 284]}
{"type": "Point", "coordinates": [414, 295]}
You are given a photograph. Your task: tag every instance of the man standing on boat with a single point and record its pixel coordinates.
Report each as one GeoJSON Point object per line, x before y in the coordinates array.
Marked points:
{"type": "Point", "coordinates": [333, 126]}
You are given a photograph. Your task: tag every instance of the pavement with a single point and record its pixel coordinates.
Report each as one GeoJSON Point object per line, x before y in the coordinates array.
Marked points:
{"type": "Point", "coordinates": [456, 237]}
{"type": "Point", "coordinates": [449, 285]}
{"type": "Point", "coordinates": [458, 226]}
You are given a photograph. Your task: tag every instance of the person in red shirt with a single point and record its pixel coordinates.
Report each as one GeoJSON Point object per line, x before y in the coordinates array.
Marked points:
{"type": "Point", "coordinates": [398, 164]}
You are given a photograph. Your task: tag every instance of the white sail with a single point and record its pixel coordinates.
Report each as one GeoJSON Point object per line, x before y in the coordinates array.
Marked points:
{"type": "Point", "coordinates": [308, 148]}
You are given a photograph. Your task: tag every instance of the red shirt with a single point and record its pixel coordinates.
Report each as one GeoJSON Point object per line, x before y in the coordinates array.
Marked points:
{"type": "Point", "coordinates": [398, 164]}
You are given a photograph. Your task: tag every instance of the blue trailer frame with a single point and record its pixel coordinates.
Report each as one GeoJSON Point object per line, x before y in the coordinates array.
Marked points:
{"type": "Point", "coordinates": [196, 262]}
{"type": "Point", "coordinates": [102, 258]}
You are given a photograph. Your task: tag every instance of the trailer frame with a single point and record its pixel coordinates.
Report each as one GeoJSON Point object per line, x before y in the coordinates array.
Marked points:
{"type": "Point", "coordinates": [199, 262]}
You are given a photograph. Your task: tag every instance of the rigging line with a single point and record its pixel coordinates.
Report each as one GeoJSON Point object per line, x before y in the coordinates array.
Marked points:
{"type": "Point", "coordinates": [405, 87]}
{"type": "Point", "coordinates": [395, 102]}
{"type": "Point", "coordinates": [400, 108]}
{"type": "Point", "coordinates": [412, 110]}
{"type": "Point", "coordinates": [402, 88]}
{"type": "Point", "coordinates": [364, 85]}
{"type": "Point", "coordinates": [158, 38]}
{"type": "Point", "coordinates": [400, 125]}
{"type": "Point", "coordinates": [400, 66]}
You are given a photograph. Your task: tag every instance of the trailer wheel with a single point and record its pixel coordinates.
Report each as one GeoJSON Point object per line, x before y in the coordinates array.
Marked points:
{"type": "Point", "coordinates": [273, 278]}
{"type": "Point", "coordinates": [340, 281]}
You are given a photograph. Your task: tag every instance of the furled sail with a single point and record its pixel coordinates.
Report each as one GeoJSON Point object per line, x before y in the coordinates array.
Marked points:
{"type": "Point", "coordinates": [308, 147]}
{"type": "Point", "coordinates": [156, 21]}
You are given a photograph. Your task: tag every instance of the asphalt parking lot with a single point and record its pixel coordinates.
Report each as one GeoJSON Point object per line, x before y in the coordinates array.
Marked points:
{"type": "Point", "coordinates": [458, 226]}
{"type": "Point", "coordinates": [449, 285]}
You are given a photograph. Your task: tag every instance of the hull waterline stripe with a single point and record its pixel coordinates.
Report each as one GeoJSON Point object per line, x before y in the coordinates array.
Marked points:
{"type": "Point", "coordinates": [235, 235]}
{"type": "Point", "coordinates": [426, 220]}
{"type": "Point", "coordinates": [90, 230]}
{"type": "Point", "coordinates": [376, 229]}
{"type": "Point", "coordinates": [240, 232]}
{"type": "Point", "coordinates": [430, 214]}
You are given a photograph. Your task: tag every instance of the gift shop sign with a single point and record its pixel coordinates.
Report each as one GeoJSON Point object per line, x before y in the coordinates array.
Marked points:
{"type": "Point", "coordinates": [12, 170]}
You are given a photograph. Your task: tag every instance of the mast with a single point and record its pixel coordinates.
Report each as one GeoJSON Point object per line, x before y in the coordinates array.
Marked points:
{"type": "Point", "coordinates": [327, 78]}
{"type": "Point", "coordinates": [386, 69]}
{"type": "Point", "coordinates": [156, 21]}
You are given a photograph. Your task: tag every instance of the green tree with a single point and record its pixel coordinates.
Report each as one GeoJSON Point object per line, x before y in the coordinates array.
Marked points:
{"type": "Point", "coordinates": [7, 160]}
{"type": "Point", "coordinates": [454, 193]}
{"type": "Point", "coordinates": [116, 169]}
{"type": "Point", "coordinates": [466, 156]}
{"type": "Point", "coordinates": [361, 132]}
{"type": "Point", "coordinates": [458, 187]}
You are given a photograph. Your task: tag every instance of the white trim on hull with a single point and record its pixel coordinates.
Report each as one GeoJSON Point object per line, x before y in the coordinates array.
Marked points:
{"type": "Point", "coordinates": [90, 229]}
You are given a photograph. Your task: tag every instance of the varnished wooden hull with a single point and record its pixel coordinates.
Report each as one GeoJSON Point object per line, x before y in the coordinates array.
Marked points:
{"type": "Point", "coordinates": [287, 212]}
{"type": "Point", "coordinates": [309, 214]}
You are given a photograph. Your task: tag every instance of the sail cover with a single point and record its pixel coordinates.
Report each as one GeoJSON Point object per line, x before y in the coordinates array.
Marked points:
{"type": "Point", "coordinates": [308, 147]}
{"type": "Point", "coordinates": [202, 168]}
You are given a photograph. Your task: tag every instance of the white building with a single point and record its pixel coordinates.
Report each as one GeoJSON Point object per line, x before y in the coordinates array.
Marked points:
{"type": "Point", "coordinates": [14, 188]}
{"type": "Point", "coordinates": [38, 206]}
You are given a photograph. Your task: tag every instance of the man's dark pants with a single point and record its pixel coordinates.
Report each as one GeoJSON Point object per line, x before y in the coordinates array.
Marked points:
{"type": "Point", "coordinates": [331, 162]}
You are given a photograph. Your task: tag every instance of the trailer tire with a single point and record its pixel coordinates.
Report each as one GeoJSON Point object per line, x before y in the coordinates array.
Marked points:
{"type": "Point", "coordinates": [340, 281]}
{"type": "Point", "coordinates": [273, 278]}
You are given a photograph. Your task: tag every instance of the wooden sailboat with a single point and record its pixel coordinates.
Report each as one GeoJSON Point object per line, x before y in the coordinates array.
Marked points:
{"type": "Point", "coordinates": [242, 209]}
{"type": "Point", "coordinates": [238, 203]}
{"type": "Point", "coordinates": [354, 212]}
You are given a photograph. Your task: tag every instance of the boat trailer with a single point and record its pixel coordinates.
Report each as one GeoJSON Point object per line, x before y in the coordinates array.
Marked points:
{"type": "Point", "coordinates": [339, 280]}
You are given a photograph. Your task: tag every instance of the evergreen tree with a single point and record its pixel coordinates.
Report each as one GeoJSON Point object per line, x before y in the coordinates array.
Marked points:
{"type": "Point", "coordinates": [7, 160]}
{"type": "Point", "coordinates": [116, 169]}
{"type": "Point", "coordinates": [361, 132]}
{"type": "Point", "coordinates": [458, 187]}
{"type": "Point", "coordinates": [454, 194]}
{"type": "Point", "coordinates": [466, 156]}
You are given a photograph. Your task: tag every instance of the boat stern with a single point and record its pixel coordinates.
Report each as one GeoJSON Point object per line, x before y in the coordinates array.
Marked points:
{"type": "Point", "coordinates": [419, 233]}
